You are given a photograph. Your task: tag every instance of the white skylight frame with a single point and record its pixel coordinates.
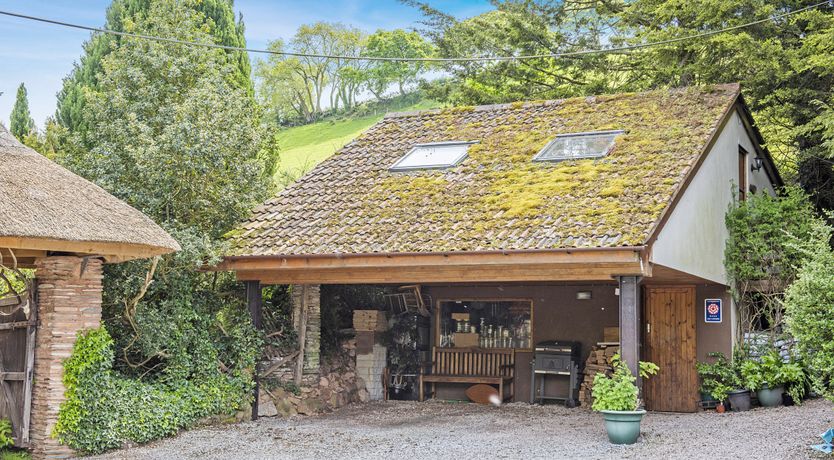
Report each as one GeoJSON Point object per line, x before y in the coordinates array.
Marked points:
{"type": "Point", "coordinates": [410, 161]}
{"type": "Point", "coordinates": [545, 156]}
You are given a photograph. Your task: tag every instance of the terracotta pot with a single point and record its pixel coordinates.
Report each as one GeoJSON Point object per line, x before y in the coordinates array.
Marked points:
{"type": "Point", "coordinates": [720, 408]}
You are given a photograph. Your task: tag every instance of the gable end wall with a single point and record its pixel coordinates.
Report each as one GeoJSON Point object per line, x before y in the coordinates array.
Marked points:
{"type": "Point", "coordinates": [693, 238]}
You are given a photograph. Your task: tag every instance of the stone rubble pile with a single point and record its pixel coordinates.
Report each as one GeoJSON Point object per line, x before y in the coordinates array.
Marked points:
{"type": "Point", "coordinates": [337, 385]}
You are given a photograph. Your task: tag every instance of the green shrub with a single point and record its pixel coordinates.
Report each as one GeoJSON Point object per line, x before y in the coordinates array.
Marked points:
{"type": "Point", "coordinates": [766, 243]}
{"type": "Point", "coordinates": [618, 392]}
{"type": "Point", "coordinates": [809, 312]}
{"type": "Point", "coordinates": [770, 371]}
{"type": "Point", "coordinates": [104, 409]}
{"type": "Point", "coordinates": [6, 439]}
{"type": "Point", "coordinates": [718, 378]}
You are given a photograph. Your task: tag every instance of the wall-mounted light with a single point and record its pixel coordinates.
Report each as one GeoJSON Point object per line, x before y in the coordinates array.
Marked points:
{"type": "Point", "coordinates": [583, 295]}
{"type": "Point", "coordinates": [758, 162]}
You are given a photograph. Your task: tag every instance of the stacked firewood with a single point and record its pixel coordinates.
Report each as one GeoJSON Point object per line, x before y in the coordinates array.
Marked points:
{"type": "Point", "coordinates": [598, 361]}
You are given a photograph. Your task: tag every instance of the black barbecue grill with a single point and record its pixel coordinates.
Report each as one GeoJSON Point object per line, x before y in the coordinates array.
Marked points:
{"type": "Point", "coordinates": [555, 358]}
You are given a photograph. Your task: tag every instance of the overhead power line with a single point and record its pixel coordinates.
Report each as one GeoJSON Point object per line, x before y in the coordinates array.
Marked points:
{"type": "Point", "coordinates": [616, 49]}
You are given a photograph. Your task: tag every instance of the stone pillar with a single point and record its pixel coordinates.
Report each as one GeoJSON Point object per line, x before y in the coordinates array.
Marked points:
{"type": "Point", "coordinates": [312, 341]}
{"type": "Point", "coordinates": [69, 300]}
{"type": "Point", "coordinates": [370, 368]}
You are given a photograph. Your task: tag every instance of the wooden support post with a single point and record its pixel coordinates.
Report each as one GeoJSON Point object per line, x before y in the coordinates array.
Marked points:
{"type": "Point", "coordinates": [302, 336]}
{"type": "Point", "coordinates": [31, 338]}
{"type": "Point", "coordinates": [630, 323]}
{"type": "Point", "coordinates": [254, 301]}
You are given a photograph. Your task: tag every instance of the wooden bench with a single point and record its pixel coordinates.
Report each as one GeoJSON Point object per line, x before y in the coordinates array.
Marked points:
{"type": "Point", "coordinates": [470, 365]}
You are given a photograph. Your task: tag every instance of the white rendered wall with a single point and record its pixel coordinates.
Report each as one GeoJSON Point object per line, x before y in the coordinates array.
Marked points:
{"type": "Point", "coordinates": [692, 240]}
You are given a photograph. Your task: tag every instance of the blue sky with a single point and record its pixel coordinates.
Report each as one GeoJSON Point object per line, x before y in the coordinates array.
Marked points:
{"type": "Point", "coordinates": [40, 55]}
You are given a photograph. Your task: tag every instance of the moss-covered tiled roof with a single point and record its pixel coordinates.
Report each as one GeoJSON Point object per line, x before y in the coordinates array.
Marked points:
{"type": "Point", "coordinates": [497, 198]}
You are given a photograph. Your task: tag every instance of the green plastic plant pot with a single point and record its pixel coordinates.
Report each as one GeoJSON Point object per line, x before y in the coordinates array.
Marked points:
{"type": "Point", "coordinates": [770, 397]}
{"type": "Point", "coordinates": [623, 426]}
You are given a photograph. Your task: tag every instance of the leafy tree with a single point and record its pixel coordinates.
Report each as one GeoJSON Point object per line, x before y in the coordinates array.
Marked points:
{"type": "Point", "coordinates": [283, 87]}
{"type": "Point", "coordinates": [809, 308]}
{"type": "Point", "coordinates": [217, 17]}
{"type": "Point", "coordinates": [524, 28]}
{"type": "Point", "coordinates": [170, 131]}
{"type": "Point", "coordinates": [21, 123]}
{"type": "Point", "coordinates": [395, 43]}
{"type": "Point", "coordinates": [168, 115]}
{"type": "Point", "coordinates": [348, 75]}
{"type": "Point", "coordinates": [294, 86]}
{"type": "Point", "coordinates": [762, 255]}
{"type": "Point", "coordinates": [784, 66]}
{"type": "Point", "coordinates": [51, 141]}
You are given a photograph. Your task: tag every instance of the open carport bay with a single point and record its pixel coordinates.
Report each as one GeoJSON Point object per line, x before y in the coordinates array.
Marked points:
{"type": "Point", "coordinates": [456, 431]}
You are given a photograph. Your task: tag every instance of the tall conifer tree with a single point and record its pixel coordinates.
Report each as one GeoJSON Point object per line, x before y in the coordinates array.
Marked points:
{"type": "Point", "coordinates": [122, 16]}
{"type": "Point", "coordinates": [21, 122]}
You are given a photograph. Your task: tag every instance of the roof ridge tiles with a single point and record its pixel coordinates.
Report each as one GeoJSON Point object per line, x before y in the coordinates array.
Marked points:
{"type": "Point", "coordinates": [475, 108]}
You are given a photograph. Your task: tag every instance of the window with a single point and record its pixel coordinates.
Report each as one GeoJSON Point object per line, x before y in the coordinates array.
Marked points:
{"type": "Point", "coordinates": [436, 155]}
{"type": "Point", "coordinates": [742, 174]}
{"type": "Point", "coordinates": [578, 146]}
{"type": "Point", "coordinates": [484, 324]}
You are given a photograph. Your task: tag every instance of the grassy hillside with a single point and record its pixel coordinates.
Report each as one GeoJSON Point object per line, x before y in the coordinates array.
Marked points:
{"type": "Point", "coordinates": [303, 147]}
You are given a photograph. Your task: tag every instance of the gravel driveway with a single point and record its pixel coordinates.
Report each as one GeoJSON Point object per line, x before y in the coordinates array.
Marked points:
{"type": "Point", "coordinates": [457, 431]}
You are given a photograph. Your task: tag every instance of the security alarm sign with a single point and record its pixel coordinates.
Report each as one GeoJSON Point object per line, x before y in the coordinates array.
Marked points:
{"type": "Point", "coordinates": [712, 310]}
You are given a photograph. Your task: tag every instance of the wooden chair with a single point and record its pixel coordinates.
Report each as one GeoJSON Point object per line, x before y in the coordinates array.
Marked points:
{"type": "Point", "coordinates": [470, 365]}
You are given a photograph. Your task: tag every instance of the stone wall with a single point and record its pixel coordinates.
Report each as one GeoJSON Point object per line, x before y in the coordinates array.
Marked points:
{"type": "Point", "coordinates": [312, 342]}
{"type": "Point", "coordinates": [69, 299]}
{"type": "Point", "coordinates": [338, 385]}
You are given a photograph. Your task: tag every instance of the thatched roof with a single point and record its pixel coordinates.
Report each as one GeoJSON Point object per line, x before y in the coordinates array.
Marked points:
{"type": "Point", "coordinates": [46, 207]}
{"type": "Point", "coordinates": [497, 198]}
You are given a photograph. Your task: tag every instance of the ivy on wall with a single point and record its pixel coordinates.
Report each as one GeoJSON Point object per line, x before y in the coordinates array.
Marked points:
{"type": "Point", "coordinates": [765, 248]}
{"type": "Point", "coordinates": [105, 409]}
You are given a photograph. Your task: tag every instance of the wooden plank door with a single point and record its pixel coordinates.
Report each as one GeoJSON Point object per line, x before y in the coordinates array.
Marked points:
{"type": "Point", "coordinates": [669, 338]}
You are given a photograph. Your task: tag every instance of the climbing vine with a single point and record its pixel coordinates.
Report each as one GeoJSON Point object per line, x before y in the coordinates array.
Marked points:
{"type": "Point", "coordinates": [764, 249]}
{"type": "Point", "coordinates": [104, 409]}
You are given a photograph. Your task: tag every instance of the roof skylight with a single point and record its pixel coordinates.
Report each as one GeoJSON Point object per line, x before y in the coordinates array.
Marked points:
{"type": "Point", "coordinates": [577, 146]}
{"type": "Point", "coordinates": [436, 155]}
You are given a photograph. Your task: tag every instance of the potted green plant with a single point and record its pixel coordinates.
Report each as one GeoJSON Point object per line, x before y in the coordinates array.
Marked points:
{"type": "Point", "coordinates": [739, 396]}
{"type": "Point", "coordinates": [796, 382]}
{"type": "Point", "coordinates": [721, 379]}
{"type": "Point", "coordinates": [718, 379]}
{"type": "Point", "coordinates": [769, 375]}
{"type": "Point", "coordinates": [616, 397]}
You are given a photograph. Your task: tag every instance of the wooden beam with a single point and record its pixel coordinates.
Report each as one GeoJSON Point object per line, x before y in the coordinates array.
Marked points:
{"type": "Point", "coordinates": [630, 323]}
{"type": "Point", "coordinates": [14, 325]}
{"type": "Point", "coordinates": [11, 254]}
{"type": "Point", "coordinates": [302, 336]}
{"type": "Point", "coordinates": [445, 273]}
{"type": "Point", "coordinates": [111, 251]}
{"type": "Point", "coordinates": [254, 302]}
{"type": "Point", "coordinates": [577, 256]}
{"type": "Point", "coordinates": [12, 375]}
